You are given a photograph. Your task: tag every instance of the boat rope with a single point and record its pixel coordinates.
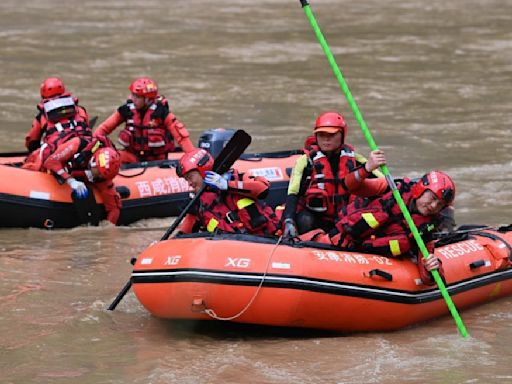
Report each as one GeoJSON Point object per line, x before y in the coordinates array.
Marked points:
{"type": "Point", "coordinates": [134, 175]}
{"type": "Point", "coordinates": [210, 312]}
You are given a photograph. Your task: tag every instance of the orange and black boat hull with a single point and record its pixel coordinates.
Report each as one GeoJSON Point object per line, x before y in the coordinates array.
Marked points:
{"type": "Point", "coordinates": [249, 279]}
{"type": "Point", "coordinates": [148, 190]}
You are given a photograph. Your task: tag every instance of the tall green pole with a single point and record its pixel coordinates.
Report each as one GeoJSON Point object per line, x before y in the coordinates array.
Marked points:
{"type": "Point", "coordinates": [384, 168]}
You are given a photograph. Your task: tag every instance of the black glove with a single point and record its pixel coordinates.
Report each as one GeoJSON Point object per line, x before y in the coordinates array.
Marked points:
{"type": "Point", "coordinates": [33, 145]}
{"type": "Point", "coordinates": [290, 229]}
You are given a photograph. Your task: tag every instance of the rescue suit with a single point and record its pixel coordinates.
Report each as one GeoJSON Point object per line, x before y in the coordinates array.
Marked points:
{"type": "Point", "coordinates": [324, 185]}
{"type": "Point", "coordinates": [72, 159]}
{"type": "Point", "coordinates": [149, 134]}
{"type": "Point", "coordinates": [378, 226]}
{"type": "Point", "coordinates": [235, 210]}
{"type": "Point", "coordinates": [59, 120]}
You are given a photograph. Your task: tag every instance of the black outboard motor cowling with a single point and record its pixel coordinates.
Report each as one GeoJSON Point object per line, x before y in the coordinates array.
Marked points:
{"type": "Point", "coordinates": [213, 140]}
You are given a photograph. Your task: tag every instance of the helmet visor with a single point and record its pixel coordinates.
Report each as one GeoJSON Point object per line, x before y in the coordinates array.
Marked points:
{"type": "Point", "coordinates": [331, 130]}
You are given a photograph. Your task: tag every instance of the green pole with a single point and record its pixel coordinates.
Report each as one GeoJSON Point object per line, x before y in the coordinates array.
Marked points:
{"type": "Point", "coordinates": [384, 168]}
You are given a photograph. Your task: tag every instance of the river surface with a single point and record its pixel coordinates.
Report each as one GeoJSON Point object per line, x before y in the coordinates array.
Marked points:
{"type": "Point", "coordinates": [433, 82]}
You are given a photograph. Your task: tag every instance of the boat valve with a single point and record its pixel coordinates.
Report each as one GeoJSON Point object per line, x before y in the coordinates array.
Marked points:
{"type": "Point", "coordinates": [198, 305]}
{"type": "Point", "coordinates": [48, 223]}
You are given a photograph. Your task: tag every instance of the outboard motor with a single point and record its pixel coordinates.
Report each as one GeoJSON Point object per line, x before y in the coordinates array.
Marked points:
{"type": "Point", "coordinates": [213, 140]}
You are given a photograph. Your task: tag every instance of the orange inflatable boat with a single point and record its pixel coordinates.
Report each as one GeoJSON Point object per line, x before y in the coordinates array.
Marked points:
{"type": "Point", "coordinates": [250, 279]}
{"type": "Point", "coordinates": [149, 189]}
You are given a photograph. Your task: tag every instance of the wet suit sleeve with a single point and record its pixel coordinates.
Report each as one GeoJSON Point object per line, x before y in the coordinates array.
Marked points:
{"type": "Point", "coordinates": [357, 183]}
{"type": "Point", "coordinates": [370, 187]}
{"type": "Point", "coordinates": [107, 126]}
{"type": "Point", "coordinates": [295, 187]}
{"type": "Point", "coordinates": [179, 132]}
{"type": "Point", "coordinates": [56, 162]}
{"type": "Point", "coordinates": [253, 187]}
{"type": "Point", "coordinates": [33, 137]}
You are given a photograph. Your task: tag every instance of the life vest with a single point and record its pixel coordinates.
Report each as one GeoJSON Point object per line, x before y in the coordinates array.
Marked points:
{"type": "Point", "coordinates": [62, 117]}
{"type": "Point", "coordinates": [88, 147]}
{"type": "Point", "coordinates": [378, 226]}
{"type": "Point", "coordinates": [228, 212]}
{"type": "Point", "coordinates": [326, 192]}
{"type": "Point", "coordinates": [145, 133]}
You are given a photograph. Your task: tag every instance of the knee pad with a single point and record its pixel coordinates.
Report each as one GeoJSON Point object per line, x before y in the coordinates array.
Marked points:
{"type": "Point", "coordinates": [305, 221]}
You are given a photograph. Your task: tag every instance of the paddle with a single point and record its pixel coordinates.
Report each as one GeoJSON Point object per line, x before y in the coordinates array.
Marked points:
{"type": "Point", "coordinates": [384, 168]}
{"type": "Point", "coordinates": [227, 157]}
{"type": "Point", "coordinates": [87, 210]}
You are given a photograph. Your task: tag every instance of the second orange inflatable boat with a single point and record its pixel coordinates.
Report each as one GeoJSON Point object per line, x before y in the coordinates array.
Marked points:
{"type": "Point", "coordinates": [148, 189]}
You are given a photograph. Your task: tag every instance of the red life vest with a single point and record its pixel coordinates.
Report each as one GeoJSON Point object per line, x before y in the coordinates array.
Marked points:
{"type": "Point", "coordinates": [88, 146]}
{"type": "Point", "coordinates": [78, 165]}
{"type": "Point", "coordinates": [229, 212]}
{"type": "Point", "coordinates": [59, 126]}
{"type": "Point", "coordinates": [62, 118]}
{"type": "Point", "coordinates": [326, 192]}
{"type": "Point", "coordinates": [378, 226]}
{"type": "Point", "coordinates": [145, 134]}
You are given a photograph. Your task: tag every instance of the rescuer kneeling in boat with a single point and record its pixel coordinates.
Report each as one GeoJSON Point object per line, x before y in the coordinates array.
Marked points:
{"type": "Point", "coordinates": [324, 178]}
{"type": "Point", "coordinates": [150, 128]}
{"type": "Point", "coordinates": [59, 118]}
{"type": "Point", "coordinates": [78, 162]}
{"type": "Point", "coordinates": [379, 227]}
{"type": "Point", "coordinates": [229, 203]}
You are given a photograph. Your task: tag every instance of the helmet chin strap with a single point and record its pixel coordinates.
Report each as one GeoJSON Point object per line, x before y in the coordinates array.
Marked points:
{"type": "Point", "coordinates": [333, 153]}
{"type": "Point", "coordinates": [91, 175]}
{"type": "Point", "coordinates": [149, 101]}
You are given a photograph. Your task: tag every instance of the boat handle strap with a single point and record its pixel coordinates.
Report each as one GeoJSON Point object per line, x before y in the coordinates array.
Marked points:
{"type": "Point", "coordinates": [476, 264]}
{"type": "Point", "coordinates": [384, 275]}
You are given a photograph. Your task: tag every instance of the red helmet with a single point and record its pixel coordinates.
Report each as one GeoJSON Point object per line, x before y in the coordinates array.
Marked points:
{"type": "Point", "coordinates": [51, 87]}
{"type": "Point", "coordinates": [331, 122]}
{"type": "Point", "coordinates": [198, 159]}
{"type": "Point", "coordinates": [439, 183]}
{"type": "Point", "coordinates": [107, 161]}
{"type": "Point", "coordinates": [144, 87]}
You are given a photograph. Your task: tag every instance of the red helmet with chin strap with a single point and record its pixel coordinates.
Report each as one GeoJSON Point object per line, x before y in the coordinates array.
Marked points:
{"type": "Point", "coordinates": [51, 87]}
{"type": "Point", "coordinates": [107, 161]}
{"type": "Point", "coordinates": [144, 87]}
{"type": "Point", "coordinates": [331, 122]}
{"type": "Point", "coordinates": [198, 159]}
{"type": "Point", "coordinates": [439, 183]}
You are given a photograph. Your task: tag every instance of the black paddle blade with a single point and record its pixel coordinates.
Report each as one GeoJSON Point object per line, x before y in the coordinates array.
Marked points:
{"type": "Point", "coordinates": [93, 121]}
{"type": "Point", "coordinates": [87, 210]}
{"type": "Point", "coordinates": [232, 151]}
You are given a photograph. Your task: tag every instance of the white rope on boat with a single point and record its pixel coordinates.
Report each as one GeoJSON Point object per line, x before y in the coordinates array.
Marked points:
{"type": "Point", "coordinates": [210, 312]}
